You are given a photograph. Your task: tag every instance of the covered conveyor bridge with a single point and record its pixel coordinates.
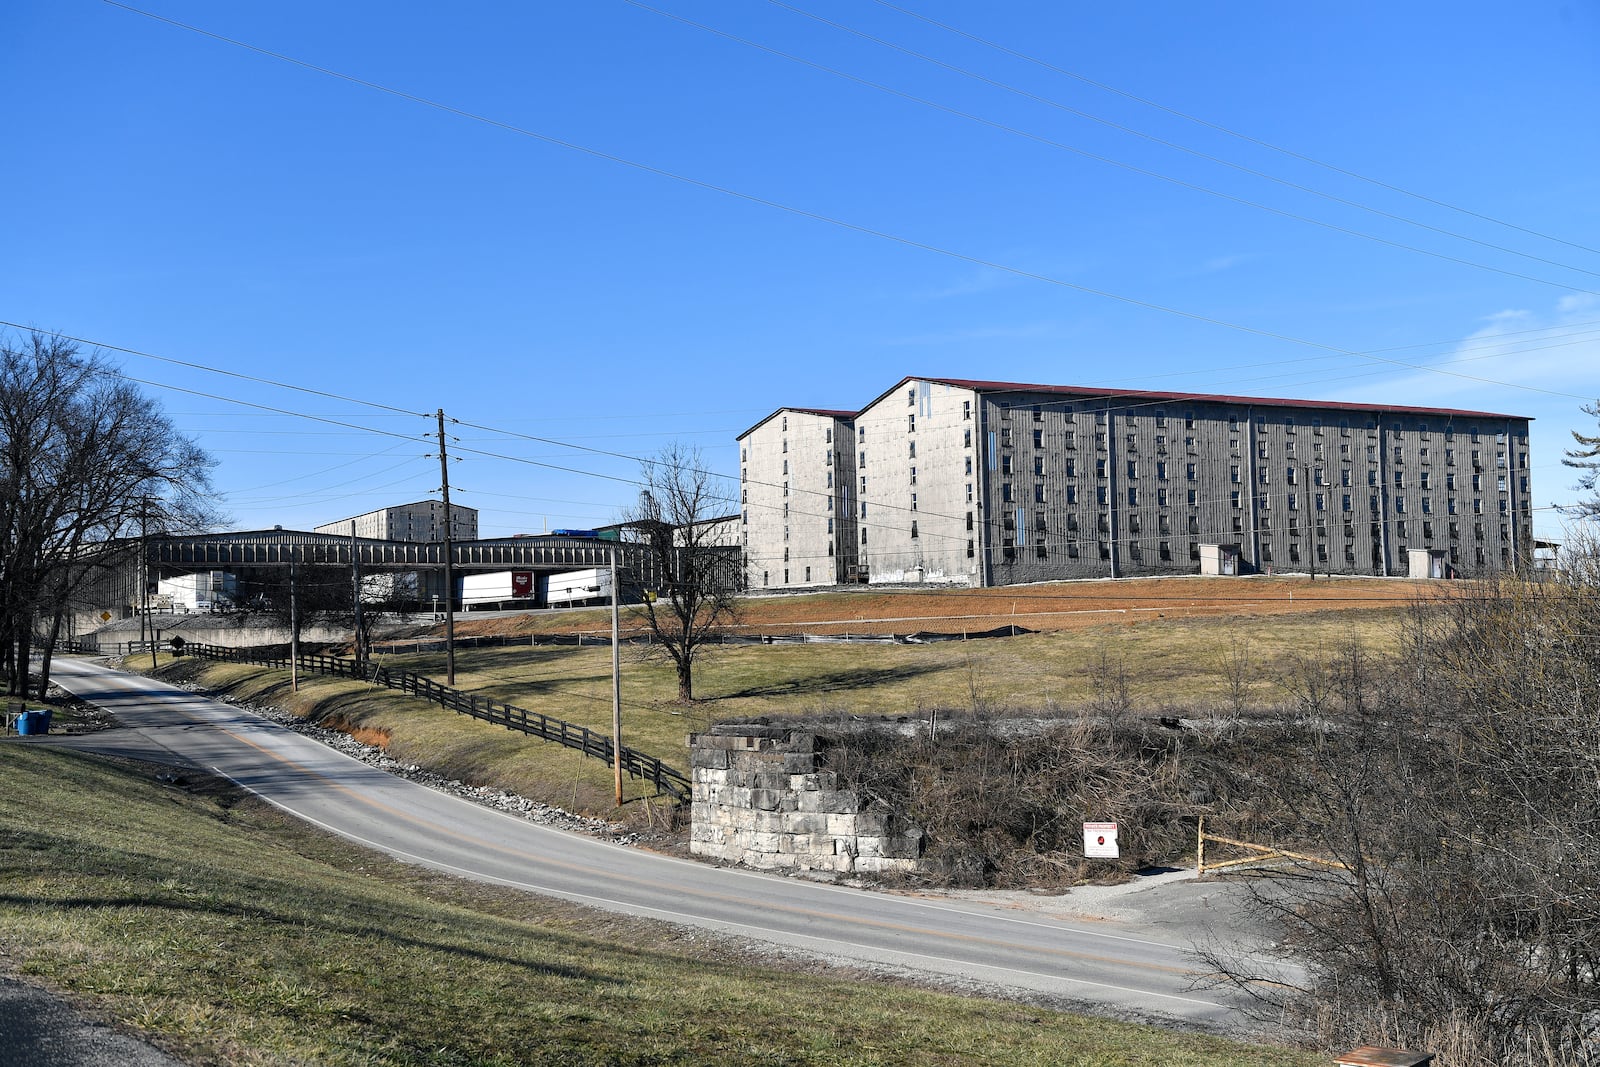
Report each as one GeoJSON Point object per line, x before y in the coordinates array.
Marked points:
{"type": "Point", "coordinates": [279, 548]}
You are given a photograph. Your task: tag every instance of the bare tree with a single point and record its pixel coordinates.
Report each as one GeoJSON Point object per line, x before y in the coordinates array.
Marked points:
{"type": "Point", "coordinates": [681, 518]}
{"type": "Point", "coordinates": [86, 461]}
{"type": "Point", "coordinates": [301, 597]}
{"type": "Point", "coordinates": [1461, 794]}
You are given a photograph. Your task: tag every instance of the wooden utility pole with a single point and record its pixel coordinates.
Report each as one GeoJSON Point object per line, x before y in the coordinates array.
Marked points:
{"type": "Point", "coordinates": [616, 679]}
{"type": "Point", "coordinates": [294, 626]}
{"type": "Point", "coordinates": [449, 569]}
{"type": "Point", "coordinates": [144, 584]}
{"type": "Point", "coordinates": [144, 568]}
{"type": "Point", "coordinates": [355, 582]}
{"type": "Point", "coordinates": [1311, 521]}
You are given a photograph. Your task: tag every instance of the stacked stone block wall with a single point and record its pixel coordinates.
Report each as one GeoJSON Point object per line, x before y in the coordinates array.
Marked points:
{"type": "Point", "coordinates": [760, 800]}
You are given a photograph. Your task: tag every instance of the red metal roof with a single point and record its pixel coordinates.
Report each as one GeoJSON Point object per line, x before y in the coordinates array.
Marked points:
{"type": "Point", "coordinates": [1137, 395]}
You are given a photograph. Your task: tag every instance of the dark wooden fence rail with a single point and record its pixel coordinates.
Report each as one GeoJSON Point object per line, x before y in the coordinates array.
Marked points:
{"type": "Point", "coordinates": [667, 780]}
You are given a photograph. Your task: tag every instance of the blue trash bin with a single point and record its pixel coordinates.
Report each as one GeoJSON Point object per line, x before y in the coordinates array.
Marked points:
{"type": "Point", "coordinates": [26, 724]}
{"type": "Point", "coordinates": [44, 715]}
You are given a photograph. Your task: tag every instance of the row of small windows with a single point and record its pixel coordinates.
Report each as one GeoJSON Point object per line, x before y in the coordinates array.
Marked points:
{"type": "Point", "coordinates": [1159, 417]}
{"type": "Point", "coordinates": [1163, 552]}
{"type": "Point", "coordinates": [1191, 473]}
{"type": "Point", "coordinates": [1425, 529]}
{"type": "Point", "coordinates": [1289, 424]}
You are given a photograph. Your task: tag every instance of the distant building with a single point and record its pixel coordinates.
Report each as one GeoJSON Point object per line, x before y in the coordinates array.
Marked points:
{"type": "Point", "coordinates": [200, 591]}
{"type": "Point", "coordinates": [984, 483]}
{"type": "Point", "coordinates": [422, 520]}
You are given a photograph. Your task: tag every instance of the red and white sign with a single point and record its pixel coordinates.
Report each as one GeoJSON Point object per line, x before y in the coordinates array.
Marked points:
{"type": "Point", "coordinates": [521, 583]}
{"type": "Point", "coordinates": [1100, 840]}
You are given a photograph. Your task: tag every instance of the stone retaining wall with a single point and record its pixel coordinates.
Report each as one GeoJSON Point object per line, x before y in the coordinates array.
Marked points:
{"type": "Point", "coordinates": [760, 800]}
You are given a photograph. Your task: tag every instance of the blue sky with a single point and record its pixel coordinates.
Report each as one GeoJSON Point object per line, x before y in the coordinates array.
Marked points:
{"type": "Point", "coordinates": [911, 199]}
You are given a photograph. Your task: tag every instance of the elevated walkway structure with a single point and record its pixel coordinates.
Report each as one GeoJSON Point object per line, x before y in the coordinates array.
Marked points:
{"type": "Point", "coordinates": [279, 548]}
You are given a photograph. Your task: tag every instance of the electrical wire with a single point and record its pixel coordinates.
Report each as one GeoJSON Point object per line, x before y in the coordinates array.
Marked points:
{"type": "Point", "coordinates": [1039, 138]}
{"type": "Point", "coordinates": [1260, 143]}
{"type": "Point", "coordinates": [798, 212]}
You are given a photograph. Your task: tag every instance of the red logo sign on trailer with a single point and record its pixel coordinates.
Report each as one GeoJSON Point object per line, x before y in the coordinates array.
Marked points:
{"type": "Point", "coordinates": [521, 583]}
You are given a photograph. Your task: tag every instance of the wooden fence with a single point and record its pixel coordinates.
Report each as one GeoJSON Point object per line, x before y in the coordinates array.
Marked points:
{"type": "Point", "coordinates": [667, 780]}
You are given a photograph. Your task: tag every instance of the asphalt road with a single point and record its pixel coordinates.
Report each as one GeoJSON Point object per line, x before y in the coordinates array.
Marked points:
{"type": "Point", "coordinates": [1109, 967]}
{"type": "Point", "coordinates": [38, 1029]}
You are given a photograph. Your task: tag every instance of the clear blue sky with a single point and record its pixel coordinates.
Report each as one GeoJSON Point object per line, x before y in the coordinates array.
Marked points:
{"type": "Point", "coordinates": [174, 194]}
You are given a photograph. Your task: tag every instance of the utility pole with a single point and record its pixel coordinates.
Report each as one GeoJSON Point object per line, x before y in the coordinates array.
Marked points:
{"type": "Point", "coordinates": [616, 679]}
{"type": "Point", "coordinates": [355, 582]}
{"type": "Point", "coordinates": [1311, 521]}
{"type": "Point", "coordinates": [144, 571]}
{"type": "Point", "coordinates": [294, 627]}
{"type": "Point", "coordinates": [144, 567]}
{"type": "Point", "coordinates": [449, 570]}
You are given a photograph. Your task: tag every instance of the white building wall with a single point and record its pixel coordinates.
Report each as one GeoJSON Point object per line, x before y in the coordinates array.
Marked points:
{"type": "Point", "coordinates": [421, 521]}
{"type": "Point", "coordinates": [201, 591]}
{"type": "Point", "coordinates": [918, 473]}
{"type": "Point", "coordinates": [796, 498]}
{"type": "Point", "coordinates": [1009, 484]}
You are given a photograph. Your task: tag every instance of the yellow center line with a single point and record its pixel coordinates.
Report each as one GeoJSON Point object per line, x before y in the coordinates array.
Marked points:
{"type": "Point", "coordinates": [603, 875]}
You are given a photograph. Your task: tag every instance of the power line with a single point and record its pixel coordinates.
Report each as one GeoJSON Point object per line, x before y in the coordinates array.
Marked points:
{"type": "Point", "coordinates": [805, 213]}
{"type": "Point", "coordinates": [1232, 133]}
{"type": "Point", "coordinates": [861, 523]}
{"type": "Point", "coordinates": [1132, 168]}
{"type": "Point", "coordinates": [227, 373]}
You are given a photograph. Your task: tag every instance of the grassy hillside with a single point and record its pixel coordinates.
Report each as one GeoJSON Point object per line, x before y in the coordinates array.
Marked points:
{"type": "Point", "coordinates": [287, 946]}
{"type": "Point", "coordinates": [1164, 662]}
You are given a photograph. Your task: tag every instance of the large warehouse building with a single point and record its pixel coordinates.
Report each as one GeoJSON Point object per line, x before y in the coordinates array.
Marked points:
{"type": "Point", "coordinates": [421, 520]}
{"type": "Point", "coordinates": [942, 480]}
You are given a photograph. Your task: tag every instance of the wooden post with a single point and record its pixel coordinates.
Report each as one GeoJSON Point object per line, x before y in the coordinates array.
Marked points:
{"type": "Point", "coordinates": [294, 633]}
{"type": "Point", "coordinates": [616, 680]}
{"type": "Point", "coordinates": [449, 562]}
{"type": "Point", "coordinates": [1200, 848]}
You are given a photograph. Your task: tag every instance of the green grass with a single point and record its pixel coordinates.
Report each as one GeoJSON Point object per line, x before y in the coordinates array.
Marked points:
{"type": "Point", "coordinates": [286, 946]}
{"type": "Point", "coordinates": [1169, 662]}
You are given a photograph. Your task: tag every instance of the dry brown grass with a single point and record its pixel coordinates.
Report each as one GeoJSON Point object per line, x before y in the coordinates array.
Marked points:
{"type": "Point", "coordinates": [1047, 607]}
{"type": "Point", "coordinates": [376, 736]}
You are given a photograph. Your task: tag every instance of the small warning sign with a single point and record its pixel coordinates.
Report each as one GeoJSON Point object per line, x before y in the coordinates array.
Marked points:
{"type": "Point", "coordinates": [1100, 840]}
{"type": "Point", "coordinates": [105, 616]}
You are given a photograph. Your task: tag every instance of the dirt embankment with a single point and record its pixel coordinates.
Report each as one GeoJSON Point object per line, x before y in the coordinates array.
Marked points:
{"type": "Point", "coordinates": [1055, 606]}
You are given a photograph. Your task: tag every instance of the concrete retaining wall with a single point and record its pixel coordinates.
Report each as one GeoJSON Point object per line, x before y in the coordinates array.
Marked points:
{"type": "Point", "coordinates": [760, 800]}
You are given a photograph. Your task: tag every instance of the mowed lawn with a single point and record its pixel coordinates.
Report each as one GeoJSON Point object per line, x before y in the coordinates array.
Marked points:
{"type": "Point", "coordinates": [231, 934]}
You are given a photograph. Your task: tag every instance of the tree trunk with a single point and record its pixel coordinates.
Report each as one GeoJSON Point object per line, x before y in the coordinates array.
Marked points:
{"type": "Point", "coordinates": [49, 649]}
{"type": "Point", "coordinates": [19, 679]}
{"type": "Point", "coordinates": [8, 656]}
{"type": "Point", "coordinates": [685, 680]}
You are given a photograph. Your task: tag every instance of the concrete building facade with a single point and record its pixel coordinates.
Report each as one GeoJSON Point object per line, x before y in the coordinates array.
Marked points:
{"type": "Point", "coordinates": [421, 520]}
{"type": "Point", "coordinates": [797, 500]}
{"type": "Point", "coordinates": [993, 483]}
